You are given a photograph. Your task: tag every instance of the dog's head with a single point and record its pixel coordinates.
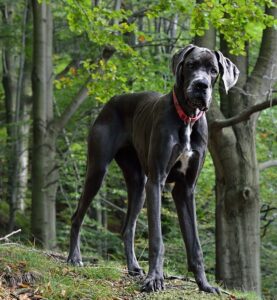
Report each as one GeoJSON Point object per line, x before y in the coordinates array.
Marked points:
{"type": "Point", "coordinates": [197, 69]}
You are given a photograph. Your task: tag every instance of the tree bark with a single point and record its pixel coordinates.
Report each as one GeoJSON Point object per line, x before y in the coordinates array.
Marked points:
{"type": "Point", "coordinates": [233, 150]}
{"type": "Point", "coordinates": [267, 164]}
{"type": "Point", "coordinates": [207, 40]}
{"type": "Point", "coordinates": [23, 137]}
{"type": "Point", "coordinates": [244, 115]}
{"type": "Point", "coordinates": [9, 85]}
{"type": "Point", "coordinates": [237, 206]}
{"type": "Point", "coordinates": [44, 171]}
{"type": "Point", "coordinates": [23, 115]}
{"type": "Point", "coordinates": [16, 113]}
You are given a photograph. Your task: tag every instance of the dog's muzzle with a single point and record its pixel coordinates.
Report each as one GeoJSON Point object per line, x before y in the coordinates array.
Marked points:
{"type": "Point", "coordinates": [199, 94]}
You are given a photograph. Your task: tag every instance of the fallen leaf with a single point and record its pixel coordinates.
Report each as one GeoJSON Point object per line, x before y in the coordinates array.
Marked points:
{"type": "Point", "coordinates": [23, 285]}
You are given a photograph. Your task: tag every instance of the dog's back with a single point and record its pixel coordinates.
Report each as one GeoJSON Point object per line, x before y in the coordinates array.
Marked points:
{"type": "Point", "coordinates": [121, 113]}
{"type": "Point", "coordinates": [127, 104]}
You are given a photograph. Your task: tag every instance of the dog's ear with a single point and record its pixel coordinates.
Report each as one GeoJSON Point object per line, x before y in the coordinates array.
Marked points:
{"type": "Point", "coordinates": [229, 72]}
{"type": "Point", "coordinates": [177, 61]}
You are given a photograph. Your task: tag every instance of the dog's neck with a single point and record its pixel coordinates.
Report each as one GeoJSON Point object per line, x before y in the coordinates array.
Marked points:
{"type": "Point", "coordinates": [185, 111]}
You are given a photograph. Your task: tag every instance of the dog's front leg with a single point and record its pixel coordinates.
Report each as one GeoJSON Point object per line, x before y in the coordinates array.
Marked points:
{"type": "Point", "coordinates": [183, 195]}
{"type": "Point", "coordinates": [162, 154]}
{"type": "Point", "coordinates": [154, 279]}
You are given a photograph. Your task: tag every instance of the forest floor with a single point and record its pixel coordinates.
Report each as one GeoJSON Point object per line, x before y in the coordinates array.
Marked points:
{"type": "Point", "coordinates": [27, 273]}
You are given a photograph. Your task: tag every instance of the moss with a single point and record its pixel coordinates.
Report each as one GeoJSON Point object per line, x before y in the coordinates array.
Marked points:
{"type": "Point", "coordinates": [32, 273]}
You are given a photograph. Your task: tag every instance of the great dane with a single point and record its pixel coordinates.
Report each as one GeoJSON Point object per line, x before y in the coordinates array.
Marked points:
{"type": "Point", "coordinates": [156, 139]}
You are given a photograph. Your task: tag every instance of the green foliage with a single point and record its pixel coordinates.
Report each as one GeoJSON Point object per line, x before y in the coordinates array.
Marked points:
{"type": "Point", "coordinates": [266, 150]}
{"type": "Point", "coordinates": [238, 21]}
{"type": "Point", "coordinates": [104, 26]}
{"type": "Point", "coordinates": [96, 23]}
{"type": "Point", "coordinates": [168, 7]}
{"type": "Point", "coordinates": [125, 74]}
{"type": "Point", "coordinates": [4, 213]}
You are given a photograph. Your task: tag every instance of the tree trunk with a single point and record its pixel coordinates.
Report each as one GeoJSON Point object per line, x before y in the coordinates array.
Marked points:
{"type": "Point", "coordinates": [9, 85]}
{"type": "Point", "coordinates": [23, 138]}
{"type": "Point", "coordinates": [237, 207]}
{"type": "Point", "coordinates": [17, 112]}
{"type": "Point", "coordinates": [237, 174]}
{"type": "Point", "coordinates": [233, 150]}
{"type": "Point", "coordinates": [237, 192]}
{"type": "Point", "coordinates": [44, 170]}
{"type": "Point", "coordinates": [24, 94]}
{"type": "Point", "coordinates": [207, 40]}
{"type": "Point", "coordinates": [10, 64]}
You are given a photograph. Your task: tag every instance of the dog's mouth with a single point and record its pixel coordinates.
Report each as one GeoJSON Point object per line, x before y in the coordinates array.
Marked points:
{"type": "Point", "coordinates": [198, 99]}
{"type": "Point", "coordinates": [197, 103]}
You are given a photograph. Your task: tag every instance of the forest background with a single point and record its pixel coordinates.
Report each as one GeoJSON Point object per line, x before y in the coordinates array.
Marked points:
{"type": "Point", "coordinates": [62, 60]}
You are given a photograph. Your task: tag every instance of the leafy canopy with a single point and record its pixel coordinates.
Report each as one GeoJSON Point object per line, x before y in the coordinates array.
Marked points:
{"type": "Point", "coordinates": [238, 21]}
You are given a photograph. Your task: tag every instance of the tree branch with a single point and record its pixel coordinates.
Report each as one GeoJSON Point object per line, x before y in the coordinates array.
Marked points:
{"type": "Point", "coordinates": [244, 115]}
{"type": "Point", "coordinates": [266, 209]}
{"type": "Point", "coordinates": [266, 64]}
{"type": "Point", "coordinates": [267, 164]}
{"type": "Point", "coordinates": [168, 42]}
{"type": "Point", "coordinates": [80, 97]}
{"type": "Point", "coordinates": [73, 64]}
{"type": "Point", "coordinates": [10, 234]}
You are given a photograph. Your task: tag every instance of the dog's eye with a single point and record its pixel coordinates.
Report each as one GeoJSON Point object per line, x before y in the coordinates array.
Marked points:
{"type": "Point", "coordinates": [214, 71]}
{"type": "Point", "coordinates": [190, 65]}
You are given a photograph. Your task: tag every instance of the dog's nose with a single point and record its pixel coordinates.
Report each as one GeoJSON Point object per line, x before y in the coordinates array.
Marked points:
{"type": "Point", "coordinates": [201, 85]}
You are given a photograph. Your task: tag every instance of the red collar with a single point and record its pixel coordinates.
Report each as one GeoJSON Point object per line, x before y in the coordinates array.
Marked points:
{"type": "Point", "coordinates": [183, 116]}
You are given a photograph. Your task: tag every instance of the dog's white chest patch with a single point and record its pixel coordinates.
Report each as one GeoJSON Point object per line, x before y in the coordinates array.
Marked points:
{"type": "Point", "coordinates": [184, 160]}
{"type": "Point", "coordinates": [186, 153]}
{"type": "Point", "coordinates": [187, 138]}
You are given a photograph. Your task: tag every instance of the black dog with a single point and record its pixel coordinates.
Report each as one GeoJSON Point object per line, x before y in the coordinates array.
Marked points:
{"type": "Point", "coordinates": [156, 139]}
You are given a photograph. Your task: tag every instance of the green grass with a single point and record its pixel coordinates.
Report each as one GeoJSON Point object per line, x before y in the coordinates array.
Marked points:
{"type": "Point", "coordinates": [28, 272]}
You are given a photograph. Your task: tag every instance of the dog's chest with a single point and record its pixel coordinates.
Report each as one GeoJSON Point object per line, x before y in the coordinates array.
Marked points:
{"type": "Point", "coordinates": [184, 134]}
{"type": "Point", "coordinates": [182, 149]}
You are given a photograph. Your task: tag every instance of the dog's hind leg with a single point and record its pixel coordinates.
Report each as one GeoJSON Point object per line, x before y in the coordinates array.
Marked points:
{"type": "Point", "coordinates": [135, 181]}
{"type": "Point", "coordinates": [99, 157]}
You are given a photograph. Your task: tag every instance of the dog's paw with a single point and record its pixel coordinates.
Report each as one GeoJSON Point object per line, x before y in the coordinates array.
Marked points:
{"type": "Point", "coordinates": [209, 289]}
{"type": "Point", "coordinates": [75, 262]}
{"type": "Point", "coordinates": [136, 272]}
{"type": "Point", "coordinates": [153, 284]}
